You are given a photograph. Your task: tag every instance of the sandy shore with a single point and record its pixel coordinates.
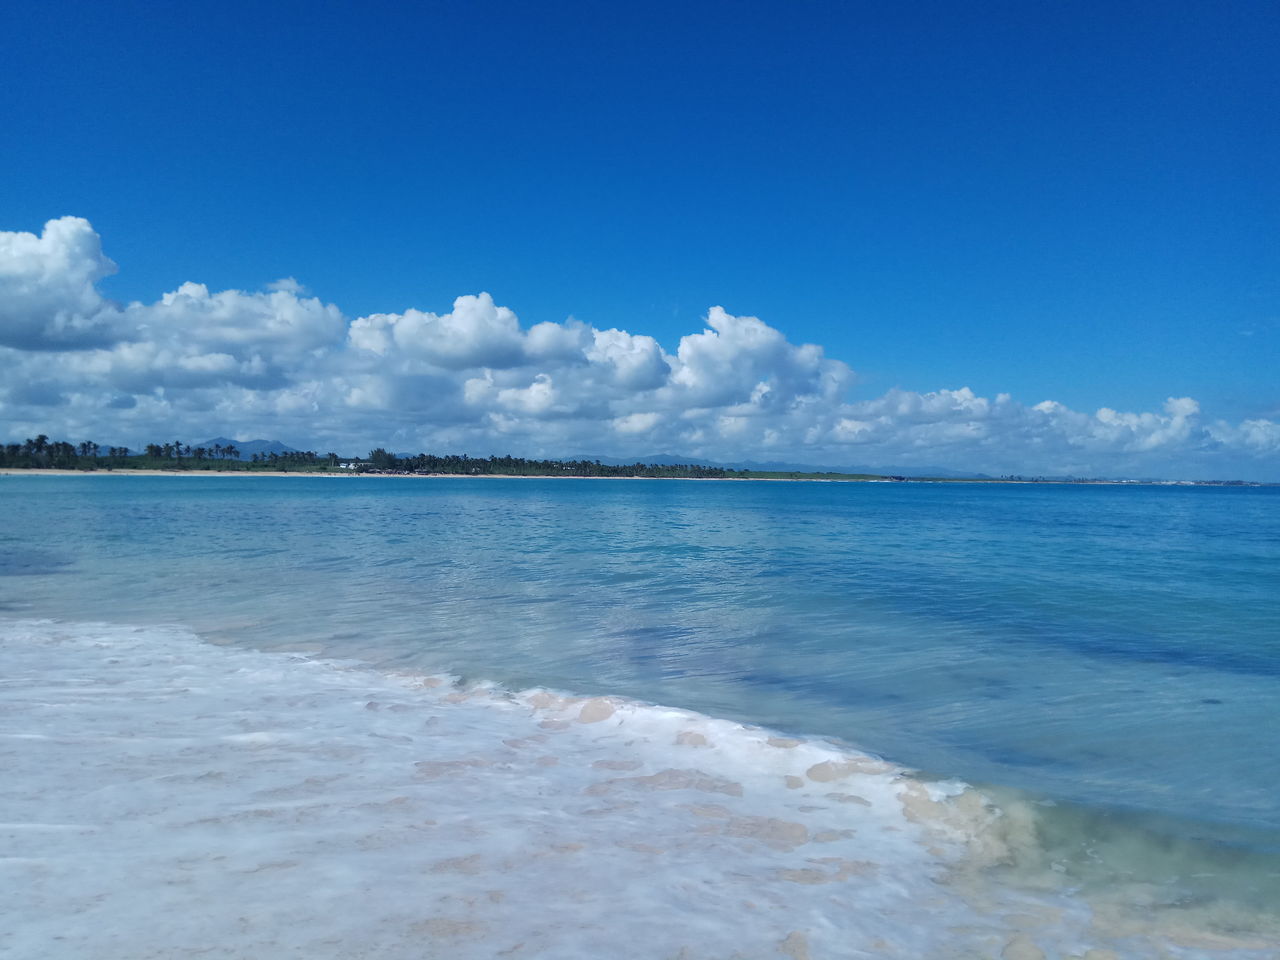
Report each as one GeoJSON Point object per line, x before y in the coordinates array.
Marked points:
{"type": "Point", "coordinates": [347, 475]}
{"type": "Point", "coordinates": [6, 472]}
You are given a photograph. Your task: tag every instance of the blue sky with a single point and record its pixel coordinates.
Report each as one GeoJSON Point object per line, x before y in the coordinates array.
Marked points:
{"type": "Point", "coordinates": [1063, 202]}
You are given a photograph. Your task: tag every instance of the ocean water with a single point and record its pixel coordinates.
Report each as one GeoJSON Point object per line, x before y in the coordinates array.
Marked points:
{"type": "Point", "coordinates": [788, 719]}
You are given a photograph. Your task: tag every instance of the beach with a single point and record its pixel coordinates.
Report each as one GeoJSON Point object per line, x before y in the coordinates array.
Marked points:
{"type": "Point", "coordinates": [17, 472]}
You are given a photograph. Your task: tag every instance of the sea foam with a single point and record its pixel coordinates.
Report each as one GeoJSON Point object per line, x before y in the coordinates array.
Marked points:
{"type": "Point", "coordinates": [167, 797]}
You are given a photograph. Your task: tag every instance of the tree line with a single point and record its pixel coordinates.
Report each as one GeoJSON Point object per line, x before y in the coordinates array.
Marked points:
{"type": "Point", "coordinates": [42, 453]}
{"type": "Point", "coordinates": [380, 461]}
{"type": "Point", "coordinates": [175, 450]}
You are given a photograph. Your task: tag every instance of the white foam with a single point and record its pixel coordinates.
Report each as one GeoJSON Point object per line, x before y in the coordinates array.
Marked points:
{"type": "Point", "coordinates": [164, 797]}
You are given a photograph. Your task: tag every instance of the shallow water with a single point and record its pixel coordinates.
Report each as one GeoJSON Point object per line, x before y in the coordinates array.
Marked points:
{"type": "Point", "coordinates": [1101, 659]}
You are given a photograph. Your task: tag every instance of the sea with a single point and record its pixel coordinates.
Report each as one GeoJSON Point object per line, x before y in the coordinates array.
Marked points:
{"type": "Point", "coordinates": [468, 718]}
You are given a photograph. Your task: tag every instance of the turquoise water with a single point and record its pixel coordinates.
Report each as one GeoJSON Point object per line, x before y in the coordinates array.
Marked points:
{"type": "Point", "coordinates": [1111, 654]}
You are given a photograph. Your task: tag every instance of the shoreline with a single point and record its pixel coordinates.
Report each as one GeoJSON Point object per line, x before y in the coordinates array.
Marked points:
{"type": "Point", "coordinates": [347, 475]}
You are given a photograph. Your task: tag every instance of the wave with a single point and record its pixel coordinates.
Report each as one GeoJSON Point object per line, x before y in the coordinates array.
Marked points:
{"type": "Point", "coordinates": [170, 796]}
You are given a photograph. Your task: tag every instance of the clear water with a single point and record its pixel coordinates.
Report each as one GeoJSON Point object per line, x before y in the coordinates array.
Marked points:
{"type": "Point", "coordinates": [1109, 656]}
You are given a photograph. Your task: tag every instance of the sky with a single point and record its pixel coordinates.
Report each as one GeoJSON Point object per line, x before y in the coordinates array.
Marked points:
{"type": "Point", "coordinates": [1007, 238]}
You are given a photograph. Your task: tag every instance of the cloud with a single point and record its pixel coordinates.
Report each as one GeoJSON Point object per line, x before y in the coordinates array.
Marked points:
{"type": "Point", "coordinates": [48, 294]}
{"type": "Point", "coordinates": [279, 325]}
{"type": "Point", "coordinates": [287, 285]}
{"type": "Point", "coordinates": [743, 361]}
{"type": "Point", "coordinates": [627, 362]}
{"type": "Point", "coordinates": [281, 363]}
{"type": "Point", "coordinates": [476, 333]}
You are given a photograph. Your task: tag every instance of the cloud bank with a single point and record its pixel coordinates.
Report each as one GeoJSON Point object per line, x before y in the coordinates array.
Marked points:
{"type": "Point", "coordinates": [277, 363]}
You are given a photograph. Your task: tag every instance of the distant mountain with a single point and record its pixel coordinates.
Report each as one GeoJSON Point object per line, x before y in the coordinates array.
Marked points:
{"type": "Point", "coordinates": [248, 448]}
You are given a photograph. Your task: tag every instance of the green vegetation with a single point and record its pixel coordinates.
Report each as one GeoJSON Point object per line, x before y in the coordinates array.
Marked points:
{"type": "Point", "coordinates": [45, 454]}
{"type": "Point", "coordinates": [42, 453]}
{"type": "Point", "coordinates": [380, 461]}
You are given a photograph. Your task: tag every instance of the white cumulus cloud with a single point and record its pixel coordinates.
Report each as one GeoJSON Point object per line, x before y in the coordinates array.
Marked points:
{"type": "Point", "coordinates": [195, 363]}
{"type": "Point", "coordinates": [48, 294]}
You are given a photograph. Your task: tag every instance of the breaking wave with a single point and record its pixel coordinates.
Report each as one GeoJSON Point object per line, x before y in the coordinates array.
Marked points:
{"type": "Point", "coordinates": [169, 796]}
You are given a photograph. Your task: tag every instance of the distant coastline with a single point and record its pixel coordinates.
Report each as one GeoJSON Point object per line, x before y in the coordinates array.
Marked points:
{"type": "Point", "coordinates": [348, 474]}
{"type": "Point", "coordinates": [221, 457]}
{"type": "Point", "coordinates": [740, 476]}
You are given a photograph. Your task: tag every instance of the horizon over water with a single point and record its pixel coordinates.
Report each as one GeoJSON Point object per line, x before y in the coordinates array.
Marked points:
{"type": "Point", "coordinates": [1099, 662]}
